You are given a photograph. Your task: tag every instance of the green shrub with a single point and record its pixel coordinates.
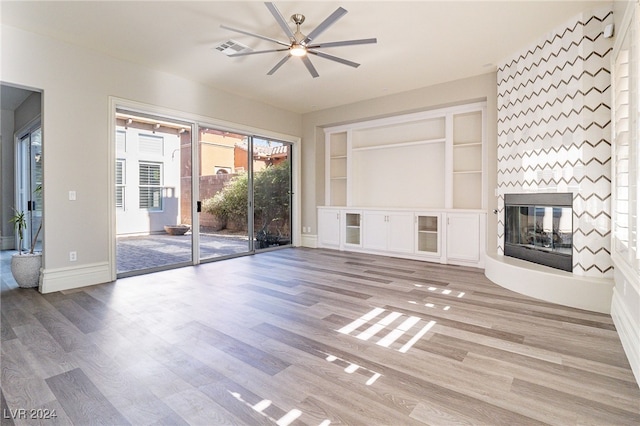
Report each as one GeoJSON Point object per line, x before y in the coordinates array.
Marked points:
{"type": "Point", "coordinates": [231, 201]}
{"type": "Point", "coordinates": [271, 198]}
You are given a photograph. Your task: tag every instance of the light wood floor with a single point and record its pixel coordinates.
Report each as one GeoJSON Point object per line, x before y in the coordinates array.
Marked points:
{"type": "Point", "coordinates": [301, 336]}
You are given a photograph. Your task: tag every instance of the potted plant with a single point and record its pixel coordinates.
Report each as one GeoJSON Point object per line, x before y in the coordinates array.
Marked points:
{"type": "Point", "coordinates": [25, 266]}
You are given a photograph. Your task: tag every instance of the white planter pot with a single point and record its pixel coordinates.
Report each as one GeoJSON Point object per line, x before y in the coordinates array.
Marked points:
{"type": "Point", "coordinates": [25, 268]}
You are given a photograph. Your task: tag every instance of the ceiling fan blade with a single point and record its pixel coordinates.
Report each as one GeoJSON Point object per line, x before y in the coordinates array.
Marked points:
{"type": "Point", "coordinates": [255, 35]}
{"type": "Point", "coordinates": [334, 58]}
{"type": "Point", "coordinates": [280, 19]}
{"type": "Point", "coordinates": [343, 43]}
{"type": "Point", "coordinates": [279, 64]}
{"type": "Point", "coordinates": [256, 52]}
{"type": "Point", "coordinates": [331, 19]}
{"type": "Point", "coordinates": [310, 67]}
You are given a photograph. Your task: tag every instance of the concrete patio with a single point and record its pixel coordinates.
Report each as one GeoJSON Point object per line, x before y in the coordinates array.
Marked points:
{"type": "Point", "coordinates": [159, 250]}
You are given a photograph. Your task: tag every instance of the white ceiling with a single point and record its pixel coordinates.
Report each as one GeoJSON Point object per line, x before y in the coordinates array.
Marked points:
{"type": "Point", "coordinates": [420, 43]}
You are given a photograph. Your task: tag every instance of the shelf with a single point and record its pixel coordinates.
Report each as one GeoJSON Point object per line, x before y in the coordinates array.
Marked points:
{"type": "Point", "coordinates": [466, 144]}
{"type": "Point", "coordinates": [461, 172]}
{"type": "Point", "coordinates": [400, 145]}
{"type": "Point", "coordinates": [338, 145]}
{"type": "Point", "coordinates": [338, 167]}
{"type": "Point", "coordinates": [428, 243]}
{"type": "Point", "coordinates": [467, 158]}
{"type": "Point", "coordinates": [428, 232]}
{"type": "Point", "coordinates": [338, 178]}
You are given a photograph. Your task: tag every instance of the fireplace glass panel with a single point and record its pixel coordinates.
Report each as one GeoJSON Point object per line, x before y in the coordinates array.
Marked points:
{"type": "Point", "coordinates": [540, 227]}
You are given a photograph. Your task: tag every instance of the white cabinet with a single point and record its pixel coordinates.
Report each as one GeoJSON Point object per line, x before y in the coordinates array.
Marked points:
{"type": "Point", "coordinates": [445, 236]}
{"type": "Point", "coordinates": [427, 234]}
{"type": "Point", "coordinates": [329, 227]}
{"type": "Point", "coordinates": [352, 221]}
{"type": "Point", "coordinates": [463, 237]}
{"type": "Point", "coordinates": [388, 231]}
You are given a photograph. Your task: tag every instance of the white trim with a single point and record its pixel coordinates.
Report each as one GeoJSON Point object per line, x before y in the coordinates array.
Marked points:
{"type": "Point", "coordinates": [628, 331]}
{"type": "Point", "coordinates": [74, 277]}
{"type": "Point", "coordinates": [309, 240]}
{"type": "Point", "coordinates": [406, 118]}
{"type": "Point", "coordinates": [551, 285]}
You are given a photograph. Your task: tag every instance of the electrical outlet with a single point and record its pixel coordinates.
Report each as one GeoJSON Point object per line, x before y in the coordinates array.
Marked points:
{"type": "Point", "coordinates": [73, 256]}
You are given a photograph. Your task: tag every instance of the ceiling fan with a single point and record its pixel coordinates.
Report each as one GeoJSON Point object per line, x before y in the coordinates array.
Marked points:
{"type": "Point", "coordinates": [301, 45]}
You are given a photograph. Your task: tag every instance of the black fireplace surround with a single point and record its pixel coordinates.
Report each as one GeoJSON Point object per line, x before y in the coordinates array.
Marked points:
{"type": "Point", "coordinates": [539, 228]}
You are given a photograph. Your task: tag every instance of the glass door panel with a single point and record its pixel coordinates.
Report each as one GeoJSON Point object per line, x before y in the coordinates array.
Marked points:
{"type": "Point", "coordinates": [29, 186]}
{"type": "Point", "coordinates": [153, 193]}
{"type": "Point", "coordinates": [223, 187]}
{"type": "Point", "coordinates": [271, 193]}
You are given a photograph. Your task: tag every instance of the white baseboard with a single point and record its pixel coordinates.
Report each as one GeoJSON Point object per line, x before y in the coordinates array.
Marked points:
{"type": "Point", "coordinates": [551, 285]}
{"type": "Point", "coordinates": [628, 331]}
{"type": "Point", "coordinates": [75, 277]}
{"type": "Point", "coordinates": [309, 240]}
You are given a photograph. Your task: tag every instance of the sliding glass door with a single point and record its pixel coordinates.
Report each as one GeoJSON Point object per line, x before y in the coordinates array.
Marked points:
{"type": "Point", "coordinates": [187, 193]}
{"type": "Point", "coordinates": [29, 185]}
{"type": "Point", "coordinates": [271, 193]}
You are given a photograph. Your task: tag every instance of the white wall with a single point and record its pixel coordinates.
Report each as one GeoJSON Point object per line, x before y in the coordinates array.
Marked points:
{"type": "Point", "coordinates": [478, 88]}
{"type": "Point", "coordinates": [6, 183]}
{"type": "Point", "coordinates": [77, 84]}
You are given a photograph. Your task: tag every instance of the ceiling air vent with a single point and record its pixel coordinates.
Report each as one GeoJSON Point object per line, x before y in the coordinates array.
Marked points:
{"type": "Point", "coordinates": [230, 47]}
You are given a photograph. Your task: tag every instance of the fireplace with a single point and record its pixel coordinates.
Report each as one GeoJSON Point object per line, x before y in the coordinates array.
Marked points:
{"type": "Point", "coordinates": [539, 228]}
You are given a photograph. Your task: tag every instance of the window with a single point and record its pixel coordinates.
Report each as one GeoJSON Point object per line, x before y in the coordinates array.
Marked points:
{"type": "Point", "coordinates": [150, 144]}
{"type": "Point", "coordinates": [120, 183]}
{"type": "Point", "coordinates": [121, 141]}
{"type": "Point", "coordinates": [151, 186]}
{"type": "Point", "coordinates": [626, 154]}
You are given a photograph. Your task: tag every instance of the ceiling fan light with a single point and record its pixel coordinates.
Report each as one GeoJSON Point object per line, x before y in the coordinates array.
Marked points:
{"type": "Point", "coordinates": [297, 50]}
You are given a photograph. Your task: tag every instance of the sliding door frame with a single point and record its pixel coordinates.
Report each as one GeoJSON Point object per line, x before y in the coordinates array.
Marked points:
{"type": "Point", "coordinates": [196, 121]}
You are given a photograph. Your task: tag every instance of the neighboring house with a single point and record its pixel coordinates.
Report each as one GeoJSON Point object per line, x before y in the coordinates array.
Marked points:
{"type": "Point", "coordinates": [147, 175]}
{"type": "Point", "coordinates": [264, 154]}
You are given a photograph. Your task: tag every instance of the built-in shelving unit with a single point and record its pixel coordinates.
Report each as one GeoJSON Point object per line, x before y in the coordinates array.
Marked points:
{"type": "Point", "coordinates": [337, 169]}
{"type": "Point", "coordinates": [467, 145]}
{"type": "Point", "coordinates": [432, 159]}
{"type": "Point", "coordinates": [411, 185]}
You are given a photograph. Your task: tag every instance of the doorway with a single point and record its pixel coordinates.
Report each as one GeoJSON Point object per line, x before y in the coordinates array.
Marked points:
{"type": "Point", "coordinates": [28, 184]}
{"type": "Point", "coordinates": [187, 193]}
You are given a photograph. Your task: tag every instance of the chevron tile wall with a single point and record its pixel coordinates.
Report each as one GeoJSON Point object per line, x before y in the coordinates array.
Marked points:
{"type": "Point", "coordinates": [554, 132]}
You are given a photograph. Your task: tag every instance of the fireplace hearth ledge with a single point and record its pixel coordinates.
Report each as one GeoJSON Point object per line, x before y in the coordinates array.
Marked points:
{"type": "Point", "coordinates": [549, 284]}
